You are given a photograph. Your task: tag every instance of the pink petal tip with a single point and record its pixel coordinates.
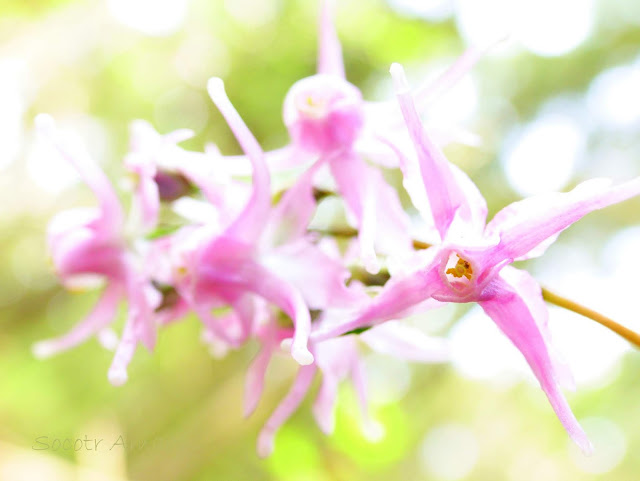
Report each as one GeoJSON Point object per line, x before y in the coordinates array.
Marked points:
{"type": "Point", "coordinates": [117, 377]}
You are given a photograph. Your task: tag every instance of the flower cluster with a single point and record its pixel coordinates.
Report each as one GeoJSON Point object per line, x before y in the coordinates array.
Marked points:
{"type": "Point", "coordinates": [247, 263]}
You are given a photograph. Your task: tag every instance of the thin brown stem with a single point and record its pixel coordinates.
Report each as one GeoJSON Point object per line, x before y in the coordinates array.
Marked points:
{"type": "Point", "coordinates": [341, 233]}
{"type": "Point", "coordinates": [628, 334]}
{"type": "Point", "coordinates": [420, 245]}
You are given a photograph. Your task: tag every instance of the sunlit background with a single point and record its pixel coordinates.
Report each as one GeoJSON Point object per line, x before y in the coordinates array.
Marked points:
{"type": "Point", "coordinates": [556, 103]}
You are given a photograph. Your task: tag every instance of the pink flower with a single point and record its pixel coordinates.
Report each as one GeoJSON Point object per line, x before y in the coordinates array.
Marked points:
{"type": "Point", "coordinates": [166, 172]}
{"type": "Point", "coordinates": [472, 262]}
{"type": "Point", "coordinates": [88, 245]}
{"type": "Point", "coordinates": [147, 158]}
{"type": "Point", "coordinates": [262, 252]}
{"type": "Point", "coordinates": [328, 121]}
{"type": "Point", "coordinates": [337, 359]}
{"type": "Point", "coordinates": [324, 113]}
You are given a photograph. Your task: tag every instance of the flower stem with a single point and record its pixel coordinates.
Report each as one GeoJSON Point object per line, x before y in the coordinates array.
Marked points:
{"type": "Point", "coordinates": [628, 334]}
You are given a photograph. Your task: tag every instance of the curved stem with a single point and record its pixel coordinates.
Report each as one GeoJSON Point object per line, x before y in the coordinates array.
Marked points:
{"type": "Point", "coordinates": [628, 334]}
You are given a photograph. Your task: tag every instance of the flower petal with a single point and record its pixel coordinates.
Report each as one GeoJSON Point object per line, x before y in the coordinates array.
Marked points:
{"type": "Point", "coordinates": [320, 278]}
{"type": "Point", "coordinates": [124, 353]}
{"type": "Point", "coordinates": [272, 288]}
{"type": "Point", "coordinates": [525, 225]}
{"type": "Point", "coordinates": [143, 299]}
{"type": "Point", "coordinates": [139, 326]}
{"type": "Point", "coordinates": [393, 236]}
{"type": "Point", "coordinates": [102, 314]}
{"type": "Point", "coordinates": [223, 329]}
{"type": "Point", "coordinates": [531, 293]}
{"type": "Point", "coordinates": [285, 409]}
{"type": "Point", "coordinates": [291, 216]}
{"type": "Point", "coordinates": [244, 310]}
{"type": "Point", "coordinates": [224, 266]}
{"type": "Point", "coordinates": [378, 213]}
{"type": "Point", "coordinates": [146, 195]}
{"type": "Point", "coordinates": [462, 66]}
{"type": "Point", "coordinates": [325, 403]}
{"type": "Point", "coordinates": [398, 295]}
{"type": "Point", "coordinates": [372, 430]}
{"type": "Point", "coordinates": [354, 181]}
{"type": "Point", "coordinates": [448, 190]}
{"type": "Point", "coordinates": [88, 169]}
{"type": "Point", "coordinates": [82, 250]}
{"type": "Point", "coordinates": [329, 51]}
{"type": "Point", "coordinates": [513, 315]}
{"type": "Point", "coordinates": [405, 342]}
{"type": "Point", "coordinates": [279, 160]}
{"type": "Point", "coordinates": [412, 180]}
{"type": "Point", "coordinates": [474, 212]}
{"type": "Point", "coordinates": [252, 219]}
{"type": "Point", "coordinates": [254, 380]}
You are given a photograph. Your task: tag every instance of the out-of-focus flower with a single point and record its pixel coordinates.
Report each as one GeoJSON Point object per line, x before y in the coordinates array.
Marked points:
{"type": "Point", "coordinates": [90, 244]}
{"type": "Point", "coordinates": [262, 252]}
{"type": "Point", "coordinates": [328, 121]}
{"type": "Point", "coordinates": [336, 359]}
{"type": "Point", "coordinates": [472, 262]}
{"type": "Point", "coordinates": [166, 172]}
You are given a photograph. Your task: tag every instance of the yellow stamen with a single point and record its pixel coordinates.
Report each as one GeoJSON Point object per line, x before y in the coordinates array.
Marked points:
{"type": "Point", "coordinates": [312, 106]}
{"type": "Point", "coordinates": [182, 271]}
{"type": "Point", "coordinates": [462, 268]}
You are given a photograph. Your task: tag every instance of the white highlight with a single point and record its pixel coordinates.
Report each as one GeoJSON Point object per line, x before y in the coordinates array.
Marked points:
{"type": "Point", "coordinates": [610, 446]}
{"type": "Point", "coordinates": [449, 452]}
{"type": "Point", "coordinates": [108, 339]}
{"type": "Point", "coordinates": [551, 28]}
{"type": "Point", "coordinates": [427, 9]}
{"type": "Point", "coordinates": [117, 377]}
{"type": "Point", "coordinates": [181, 107]}
{"type": "Point", "coordinates": [12, 79]}
{"type": "Point", "coordinates": [545, 27]}
{"type": "Point", "coordinates": [480, 351]}
{"type": "Point", "coordinates": [200, 56]}
{"type": "Point", "coordinates": [480, 22]}
{"type": "Point", "coordinates": [253, 13]}
{"type": "Point", "coordinates": [49, 170]}
{"type": "Point", "coordinates": [388, 379]}
{"type": "Point", "coordinates": [43, 350]}
{"type": "Point", "coordinates": [456, 105]}
{"type": "Point", "coordinates": [151, 17]}
{"type": "Point", "coordinates": [542, 156]}
{"type": "Point", "coordinates": [613, 98]}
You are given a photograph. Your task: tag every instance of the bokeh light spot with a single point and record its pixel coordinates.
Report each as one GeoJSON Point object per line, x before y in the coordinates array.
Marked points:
{"type": "Point", "coordinates": [541, 157]}
{"type": "Point", "coordinates": [449, 452]}
{"type": "Point", "coordinates": [610, 446]}
{"type": "Point", "coordinates": [152, 17]}
{"type": "Point", "coordinates": [388, 379]}
{"type": "Point", "coordinates": [613, 97]}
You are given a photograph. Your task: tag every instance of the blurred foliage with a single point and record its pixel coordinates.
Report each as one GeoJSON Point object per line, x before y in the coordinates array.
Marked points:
{"type": "Point", "coordinates": [181, 410]}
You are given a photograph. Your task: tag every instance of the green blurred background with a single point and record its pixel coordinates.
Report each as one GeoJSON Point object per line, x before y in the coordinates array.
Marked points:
{"type": "Point", "coordinates": [555, 104]}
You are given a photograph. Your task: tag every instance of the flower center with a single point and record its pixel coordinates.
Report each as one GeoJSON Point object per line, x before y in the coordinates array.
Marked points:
{"type": "Point", "coordinates": [323, 113]}
{"type": "Point", "coordinates": [172, 186]}
{"type": "Point", "coordinates": [462, 268]}
{"type": "Point", "coordinates": [312, 106]}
